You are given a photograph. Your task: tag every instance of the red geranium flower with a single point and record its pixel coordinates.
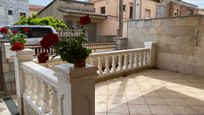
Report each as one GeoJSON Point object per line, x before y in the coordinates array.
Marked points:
{"type": "Point", "coordinates": [26, 29]}
{"type": "Point", "coordinates": [49, 40]}
{"type": "Point", "coordinates": [85, 20]}
{"type": "Point", "coordinates": [3, 30]}
{"type": "Point", "coordinates": [16, 46]}
{"type": "Point", "coordinates": [43, 57]}
{"type": "Point", "coordinates": [15, 32]}
{"type": "Point", "coordinates": [72, 28]}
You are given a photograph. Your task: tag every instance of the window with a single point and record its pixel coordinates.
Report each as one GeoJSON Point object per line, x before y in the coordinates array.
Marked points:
{"type": "Point", "coordinates": [10, 12]}
{"type": "Point", "coordinates": [147, 14]}
{"type": "Point", "coordinates": [123, 7]}
{"type": "Point", "coordinates": [69, 24]}
{"type": "Point", "coordinates": [131, 12]}
{"type": "Point", "coordinates": [23, 14]}
{"type": "Point", "coordinates": [103, 10]}
{"type": "Point", "coordinates": [176, 12]}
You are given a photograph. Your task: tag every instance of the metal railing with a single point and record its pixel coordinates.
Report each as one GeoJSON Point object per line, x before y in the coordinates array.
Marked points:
{"type": "Point", "coordinates": [95, 47]}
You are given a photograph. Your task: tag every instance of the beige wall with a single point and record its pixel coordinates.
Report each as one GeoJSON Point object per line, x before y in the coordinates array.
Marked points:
{"type": "Point", "coordinates": [112, 7]}
{"type": "Point", "coordinates": [201, 12]}
{"type": "Point", "coordinates": [33, 11]}
{"type": "Point", "coordinates": [180, 42]}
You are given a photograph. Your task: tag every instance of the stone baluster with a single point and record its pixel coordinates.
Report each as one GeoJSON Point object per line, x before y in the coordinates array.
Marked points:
{"type": "Point", "coordinates": [33, 88]}
{"type": "Point", "coordinates": [91, 60]}
{"type": "Point", "coordinates": [145, 57]}
{"type": "Point", "coordinates": [54, 102]}
{"type": "Point", "coordinates": [113, 69]}
{"type": "Point", "coordinates": [120, 62]}
{"type": "Point", "coordinates": [125, 66]}
{"type": "Point", "coordinates": [27, 83]}
{"type": "Point", "coordinates": [136, 59]}
{"type": "Point", "coordinates": [107, 70]}
{"type": "Point", "coordinates": [100, 72]}
{"type": "Point", "coordinates": [39, 93]}
{"type": "Point", "coordinates": [46, 99]}
{"type": "Point", "coordinates": [131, 60]}
{"type": "Point", "coordinates": [141, 58]}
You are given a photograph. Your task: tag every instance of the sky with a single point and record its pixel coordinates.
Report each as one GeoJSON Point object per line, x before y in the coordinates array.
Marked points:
{"type": "Point", "coordinates": [199, 3]}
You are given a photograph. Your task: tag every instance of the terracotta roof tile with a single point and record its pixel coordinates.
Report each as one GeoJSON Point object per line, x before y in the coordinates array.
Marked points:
{"type": "Point", "coordinates": [35, 7]}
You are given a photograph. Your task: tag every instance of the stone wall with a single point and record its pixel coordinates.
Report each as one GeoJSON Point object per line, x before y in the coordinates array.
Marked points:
{"type": "Point", "coordinates": [180, 42]}
{"type": "Point", "coordinates": [8, 72]}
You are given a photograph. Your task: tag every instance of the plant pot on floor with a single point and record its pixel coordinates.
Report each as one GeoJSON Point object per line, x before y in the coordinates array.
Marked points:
{"type": "Point", "coordinates": [78, 62]}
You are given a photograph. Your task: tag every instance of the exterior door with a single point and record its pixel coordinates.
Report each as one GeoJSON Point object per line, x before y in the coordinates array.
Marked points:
{"type": "Point", "coordinates": [92, 31]}
{"type": "Point", "coordinates": [131, 12]}
{"type": "Point", "coordinates": [147, 14]}
{"type": "Point", "coordinates": [1, 75]}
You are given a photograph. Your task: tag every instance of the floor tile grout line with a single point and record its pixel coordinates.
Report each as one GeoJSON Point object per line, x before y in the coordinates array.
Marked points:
{"type": "Point", "coordinates": [144, 97]}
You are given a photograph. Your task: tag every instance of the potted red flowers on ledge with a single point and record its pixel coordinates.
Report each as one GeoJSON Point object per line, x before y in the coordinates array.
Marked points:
{"type": "Point", "coordinates": [70, 49]}
{"type": "Point", "coordinates": [17, 39]}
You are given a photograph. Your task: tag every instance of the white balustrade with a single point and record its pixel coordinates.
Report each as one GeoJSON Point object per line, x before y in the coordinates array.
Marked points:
{"type": "Point", "coordinates": [41, 88]}
{"type": "Point", "coordinates": [41, 84]}
{"type": "Point", "coordinates": [122, 60]}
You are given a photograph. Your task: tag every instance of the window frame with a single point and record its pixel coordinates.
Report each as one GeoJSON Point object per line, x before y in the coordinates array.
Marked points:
{"type": "Point", "coordinates": [124, 8]}
{"type": "Point", "coordinates": [11, 12]}
{"type": "Point", "coordinates": [103, 10]}
{"type": "Point", "coordinates": [23, 13]}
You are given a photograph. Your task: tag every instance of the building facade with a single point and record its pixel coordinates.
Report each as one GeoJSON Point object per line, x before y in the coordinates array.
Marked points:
{"type": "Point", "coordinates": [174, 8]}
{"type": "Point", "coordinates": [34, 9]}
{"type": "Point", "coordinates": [70, 12]}
{"type": "Point", "coordinates": [201, 12]}
{"type": "Point", "coordinates": [10, 11]}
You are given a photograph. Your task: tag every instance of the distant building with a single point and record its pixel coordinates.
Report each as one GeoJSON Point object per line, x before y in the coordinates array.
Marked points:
{"type": "Point", "coordinates": [34, 9]}
{"type": "Point", "coordinates": [70, 12]}
{"type": "Point", "coordinates": [11, 10]}
{"type": "Point", "coordinates": [201, 12]}
{"type": "Point", "coordinates": [173, 8]}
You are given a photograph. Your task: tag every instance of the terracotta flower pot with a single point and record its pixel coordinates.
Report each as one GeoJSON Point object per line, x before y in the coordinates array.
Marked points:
{"type": "Point", "coordinates": [78, 62]}
{"type": "Point", "coordinates": [23, 47]}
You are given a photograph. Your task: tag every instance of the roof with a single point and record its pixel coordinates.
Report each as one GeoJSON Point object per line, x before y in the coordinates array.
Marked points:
{"type": "Point", "coordinates": [186, 3]}
{"type": "Point", "coordinates": [81, 12]}
{"type": "Point", "coordinates": [35, 7]}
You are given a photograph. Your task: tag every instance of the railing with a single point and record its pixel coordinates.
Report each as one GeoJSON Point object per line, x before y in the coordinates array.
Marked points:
{"type": "Point", "coordinates": [95, 46]}
{"type": "Point", "coordinates": [69, 32]}
{"type": "Point", "coordinates": [45, 89]}
{"type": "Point", "coordinates": [127, 59]}
{"type": "Point", "coordinates": [41, 88]}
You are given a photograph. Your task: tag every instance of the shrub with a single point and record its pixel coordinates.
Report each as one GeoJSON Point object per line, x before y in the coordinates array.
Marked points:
{"type": "Point", "coordinates": [46, 21]}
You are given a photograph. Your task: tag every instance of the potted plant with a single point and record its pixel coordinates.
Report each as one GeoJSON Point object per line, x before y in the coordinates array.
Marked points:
{"type": "Point", "coordinates": [17, 39]}
{"type": "Point", "coordinates": [70, 49]}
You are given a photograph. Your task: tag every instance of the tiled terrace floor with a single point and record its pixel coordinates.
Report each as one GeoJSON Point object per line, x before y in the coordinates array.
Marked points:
{"type": "Point", "coordinates": [151, 92]}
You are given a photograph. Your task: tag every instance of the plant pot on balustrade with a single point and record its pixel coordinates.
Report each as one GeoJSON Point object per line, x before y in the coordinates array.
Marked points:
{"type": "Point", "coordinates": [23, 47]}
{"type": "Point", "coordinates": [78, 62]}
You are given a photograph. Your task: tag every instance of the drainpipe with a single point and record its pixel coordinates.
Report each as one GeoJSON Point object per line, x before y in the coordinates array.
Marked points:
{"type": "Point", "coordinates": [134, 10]}
{"type": "Point", "coordinates": [140, 9]}
{"type": "Point", "coordinates": [120, 18]}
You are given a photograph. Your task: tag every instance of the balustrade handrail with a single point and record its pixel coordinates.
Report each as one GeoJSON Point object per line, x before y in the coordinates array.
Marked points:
{"type": "Point", "coordinates": [42, 73]}
{"type": "Point", "coordinates": [118, 52]}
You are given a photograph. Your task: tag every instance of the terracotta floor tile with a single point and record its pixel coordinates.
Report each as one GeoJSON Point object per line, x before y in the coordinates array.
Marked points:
{"type": "Point", "coordinates": [101, 107]}
{"type": "Point", "coordinates": [117, 99]}
{"type": "Point", "coordinates": [194, 102]}
{"type": "Point", "coordinates": [116, 114]}
{"type": "Point", "coordinates": [174, 101]}
{"type": "Point", "coordinates": [139, 109]}
{"type": "Point", "coordinates": [182, 110]}
{"type": "Point", "coordinates": [198, 109]}
{"type": "Point", "coordinates": [100, 114]}
{"type": "Point", "coordinates": [131, 87]}
{"type": "Point", "coordinates": [151, 94]}
{"type": "Point", "coordinates": [118, 108]}
{"type": "Point", "coordinates": [133, 93]}
{"type": "Point", "coordinates": [116, 92]}
{"type": "Point", "coordinates": [155, 101]}
{"type": "Point", "coordinates": [168, 94]}
{"type": "Point", "coordinates": [161, 109]}
{"type": "Point", "coordinates": [136, 100]}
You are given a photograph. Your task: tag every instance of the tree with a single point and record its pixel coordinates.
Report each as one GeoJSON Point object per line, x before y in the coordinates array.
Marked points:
{"type": "Point", "coordinates": [46, 21]}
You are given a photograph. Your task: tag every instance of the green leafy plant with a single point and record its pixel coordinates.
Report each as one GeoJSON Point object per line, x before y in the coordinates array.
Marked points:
{"type": "Point", "coordinates": [19, 37]}
{"type": "Point", "coordinates": [45, 21]}
{"type": "Point", "coordinates": [68, 48]}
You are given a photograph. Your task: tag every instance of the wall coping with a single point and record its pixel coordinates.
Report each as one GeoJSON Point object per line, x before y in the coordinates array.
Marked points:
{"type": "Point", "coordinates": [165, 18]}
{"type": "Point", "coordinates": [119, 38]}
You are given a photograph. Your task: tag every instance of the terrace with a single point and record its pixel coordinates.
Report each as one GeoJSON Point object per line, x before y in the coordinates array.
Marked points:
{"type": "Point", "coordinates": [122, 82]}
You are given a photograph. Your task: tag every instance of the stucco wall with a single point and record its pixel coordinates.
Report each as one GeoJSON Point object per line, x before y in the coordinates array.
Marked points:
{"type": "Point", "coordinates": [112, 7]}
{"type": "Point", "coordinates": [17, 6]}
{"type": "Point", "coordinates": [180, 42]}
{"type": "Point", "coordinates": [33, 12]}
